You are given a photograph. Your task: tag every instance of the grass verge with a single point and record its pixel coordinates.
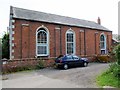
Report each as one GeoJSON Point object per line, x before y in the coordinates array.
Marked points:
{"type": "Point", "coordinates": [108, 79]}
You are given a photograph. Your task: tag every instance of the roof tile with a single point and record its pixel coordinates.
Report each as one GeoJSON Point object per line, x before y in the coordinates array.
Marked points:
{"type": "Point", "coordinates": [52, 18]}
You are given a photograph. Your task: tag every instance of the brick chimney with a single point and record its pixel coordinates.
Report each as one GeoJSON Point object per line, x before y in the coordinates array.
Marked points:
{"type": "Point", "coordinates": [99, 21]}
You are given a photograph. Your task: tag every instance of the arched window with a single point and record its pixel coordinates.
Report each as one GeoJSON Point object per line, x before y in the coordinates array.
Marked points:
{"type": "Point", "coordinates": [42, 42]}
{"type": "Point", "coordinates": [103, 44]}
{"type": "Point", "coordinates": [70, 42]}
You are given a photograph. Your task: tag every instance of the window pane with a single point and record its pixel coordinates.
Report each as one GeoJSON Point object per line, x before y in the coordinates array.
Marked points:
{"type": "Point", "coordinates": [102, 42]}
{"type": "Point", "coordinates": [69, 48]}
{"type": "Point", "coordinates": [102, 38]}
{"type": "Point", "coordinates": [42, 44]}
{"type": "Point", "coordinates": [102, 51]}
{"type": "Point", "coordinates": [70, 37]}
{"type": "Point", "coordinates": [42, 37]}
{"type": "Point", "coordinates": [102, 45]}
{"type": "Point", "coordinates": [70, 42]}
{"type": "Point", "coordinates": [42, 50]}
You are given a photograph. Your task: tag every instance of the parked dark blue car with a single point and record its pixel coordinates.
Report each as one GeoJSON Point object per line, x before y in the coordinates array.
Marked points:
{"type": "Point", "coordinates": [67, 61]}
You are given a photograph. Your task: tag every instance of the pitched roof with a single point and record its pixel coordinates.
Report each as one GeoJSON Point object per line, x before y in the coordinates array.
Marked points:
{"type": "Point", "coordinates": [115, 37]}
{"type": "Point", "coordinates": [52, 18]}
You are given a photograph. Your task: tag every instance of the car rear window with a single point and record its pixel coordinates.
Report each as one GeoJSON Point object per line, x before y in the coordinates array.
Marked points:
{"type": "Point", "coordinates": [60, 58]}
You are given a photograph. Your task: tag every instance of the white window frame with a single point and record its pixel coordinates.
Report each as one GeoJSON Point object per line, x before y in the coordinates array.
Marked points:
{"type": "Point", "coordinates": [47, 44]}
{"type": "Point", "coordinates": [104, 43]}
{"type": "Point", "coordinates": [74, 45]}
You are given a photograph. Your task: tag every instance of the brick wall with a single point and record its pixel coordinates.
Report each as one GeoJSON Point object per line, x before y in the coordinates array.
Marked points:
{"type": "Point", "coordinates": [87, 40]}
{"type": "Point", "coordinates": [15, 65]}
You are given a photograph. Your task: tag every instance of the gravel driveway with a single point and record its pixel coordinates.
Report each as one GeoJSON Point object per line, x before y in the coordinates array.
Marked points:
{"type": "Point", "coordinates": [80, 77]}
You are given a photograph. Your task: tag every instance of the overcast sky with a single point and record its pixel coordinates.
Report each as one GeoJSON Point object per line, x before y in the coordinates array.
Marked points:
{"type": "Point", "coordinates": [107, 10]}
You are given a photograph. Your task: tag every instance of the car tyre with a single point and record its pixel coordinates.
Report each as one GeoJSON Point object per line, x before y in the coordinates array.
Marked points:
{"type": "Point", "coordinates": [65, 66]}
{"type": "Point", "coordinates": [85, 64]}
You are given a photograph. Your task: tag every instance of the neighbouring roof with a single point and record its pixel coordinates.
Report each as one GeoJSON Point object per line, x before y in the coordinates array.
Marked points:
{"type": "Point", "coordinates": [115, 40]}
{"type": "Point", "coordinates": [115, 37]}
{"type": "Point", "coordinates": [52, 18]}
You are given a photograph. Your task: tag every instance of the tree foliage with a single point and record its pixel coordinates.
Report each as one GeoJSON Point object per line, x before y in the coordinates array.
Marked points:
{"type": "Point", "coordinates": [115, 67]}
{"type": "Point", "coordinates": [117, 53]}
{"type": "Point", "coordinates": [5, 46]}
{"type": "Point", "coordinates": [118, 37]}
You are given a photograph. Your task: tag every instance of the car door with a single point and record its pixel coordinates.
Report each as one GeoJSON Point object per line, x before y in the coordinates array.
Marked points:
{"type": "Point", "coordinates": [76, 61]}
{"type": "Point", "coordinates": [70, 60]}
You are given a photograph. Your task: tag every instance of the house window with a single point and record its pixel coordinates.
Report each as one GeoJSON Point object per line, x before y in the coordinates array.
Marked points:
{"type": "Point", "coordinates": [70, 42]}
{"type": "Point", "coordinates": [42, 42]}
{"type": "Point", "coordinates": [103, 44]}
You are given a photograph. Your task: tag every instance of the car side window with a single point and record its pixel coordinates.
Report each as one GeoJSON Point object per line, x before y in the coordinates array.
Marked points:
{"type": "Point", "coordinates": [69, 58]}
{"type": "Point", "coordinates": [75, 58]}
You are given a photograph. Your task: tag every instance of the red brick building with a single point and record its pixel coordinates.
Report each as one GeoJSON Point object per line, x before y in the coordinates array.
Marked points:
{"type": "Point", "coordinates": [38, 34]}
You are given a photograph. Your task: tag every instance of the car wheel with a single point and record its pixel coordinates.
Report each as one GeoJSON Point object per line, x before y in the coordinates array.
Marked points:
{"type": "Point", "coordinates": [85, 64]}
{"type": "Point", "coordinates": [65, 66]}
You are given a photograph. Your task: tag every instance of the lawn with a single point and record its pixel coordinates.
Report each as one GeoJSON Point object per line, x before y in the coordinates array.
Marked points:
{"type": "Point", "coordinates": [108, 79]}
{"type": "Point", "coordinates": [111, 77]}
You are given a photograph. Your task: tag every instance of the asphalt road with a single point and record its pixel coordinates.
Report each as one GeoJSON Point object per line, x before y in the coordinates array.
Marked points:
{"type": "Point", "coordinates": [80, 77]}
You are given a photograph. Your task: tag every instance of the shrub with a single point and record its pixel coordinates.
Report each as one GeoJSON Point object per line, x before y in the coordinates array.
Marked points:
{"type": "Point", "coordinates": [40, 64]}
{"type": "Point", "coordinates": [115, 67]}
{"type": "Point", "coordinates": [117, 72]}
{"type": "Point", "coordinates": [118, 54]}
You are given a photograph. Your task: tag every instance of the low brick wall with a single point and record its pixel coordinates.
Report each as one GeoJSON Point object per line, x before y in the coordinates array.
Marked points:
{"type": "Point", "coordinates": [14, 65]}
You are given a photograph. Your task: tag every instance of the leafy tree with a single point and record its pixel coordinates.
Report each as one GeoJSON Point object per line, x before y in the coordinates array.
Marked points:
{"type": "Point", "coordinates": [118, 37]}
{"type": "Point", "coordinates": [0, 48]}
{"type": "Point", "coordinates": [115, 67]}
{"type": "Point", "coordinates": [5, 46]}
{"type": "Point", "coordinates": [118, 54]}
